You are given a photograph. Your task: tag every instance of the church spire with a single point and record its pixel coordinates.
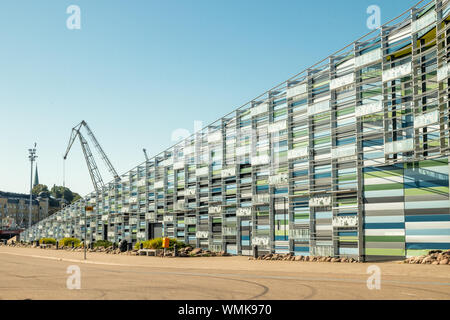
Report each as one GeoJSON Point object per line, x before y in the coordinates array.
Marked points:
{"type": "Point", "coordinates": [36, 177]}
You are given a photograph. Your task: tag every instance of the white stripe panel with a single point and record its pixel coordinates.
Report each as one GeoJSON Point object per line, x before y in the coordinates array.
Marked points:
{"type": "Point", "coordinates": [402, 34]}
{"type": "Point", "coordinates": [426, 238]}
{"type": "Point", "coordinates": [384, 232]}
{"type": "Point", "coordinates": [325, 227]}
{"type": "Point", "coordinates": [374, 162]}
{"type": "Point", "coordinates": [391, 179]}
{"type": "Point", "coordinates": [384, 206]}
{"type": "Point", "coordinates": [428, 225]}
{"type": "Point", "coordinates": [383, 193]}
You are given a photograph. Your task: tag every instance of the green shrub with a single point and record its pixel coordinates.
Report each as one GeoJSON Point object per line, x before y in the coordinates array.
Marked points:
{"type": "Point", "coordinates": [47, 241]}
{"type": "Point", "coordinates": [102, 243]}
{"type": "Point", "coordinates": [67, 242]}
{"type": "Point", "coordinates": [157, 244]}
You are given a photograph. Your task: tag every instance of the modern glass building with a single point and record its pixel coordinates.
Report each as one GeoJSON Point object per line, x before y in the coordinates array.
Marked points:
{"type": "Point", "coordinates": [347, 158]}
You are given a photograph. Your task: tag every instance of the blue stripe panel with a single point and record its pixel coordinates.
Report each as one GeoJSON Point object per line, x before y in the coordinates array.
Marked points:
{"type": "Point", "coordinates": [384, 225]}
{"type": "Point", "coordinates": [412, 183]}
{"type": "Point", "coordinates": [428, 232]}
{"type": "Point", "coordinates": [281, 238]}
{"type": "Point", "coordinates": [245, 223]}
{"type": "Point", "coordinates": [427, 204]}
{"type": "Point", "coordinates": [352, 251]}
{"type": "Point", "coordinates": [281, 190]}
{"type": "Point", "coordinates": [324, 215]}
{"type": "Point", "coordinates": [347, 214]}
{"type": "Point", "coordinates": [422, 246]}
{"type": "Point", "coordinates": [383, 168]}
{"type": "Point", "coordinates": [306, 249]}
{"type": "Point", "coordinates": [383, 193]}
{"type": "Point", "coordinates": [428, 217]}
{"type": "Point", "coordinates": [245, 237]}
{"type": "Point", "coordinates": [348, 234]}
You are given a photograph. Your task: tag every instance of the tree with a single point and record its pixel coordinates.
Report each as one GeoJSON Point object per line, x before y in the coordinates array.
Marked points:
{"type": "Point", "coordinates": [76, 197]}
{"type": "Point", "coordinates": [39, 188]}
{"type": "Point", "coordinates": [62, 192]}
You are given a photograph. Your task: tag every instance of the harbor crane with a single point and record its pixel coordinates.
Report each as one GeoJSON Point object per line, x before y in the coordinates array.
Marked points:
{"type": "Point", "coordinates": [96, 177]}
{"type": "Point", "coordinates": [145, 153]}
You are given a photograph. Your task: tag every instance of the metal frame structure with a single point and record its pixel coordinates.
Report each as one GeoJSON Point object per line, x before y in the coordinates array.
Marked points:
{"type": "Point", "coordinates": [358, 143]}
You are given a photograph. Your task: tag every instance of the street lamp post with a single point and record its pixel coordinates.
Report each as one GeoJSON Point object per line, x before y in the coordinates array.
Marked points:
{"type": "Point", "coordinates": [285, 221]}
{"type": "Point", "coordinates": [90, 209]}
{"type": "Point", "coordinates": [32, 157]}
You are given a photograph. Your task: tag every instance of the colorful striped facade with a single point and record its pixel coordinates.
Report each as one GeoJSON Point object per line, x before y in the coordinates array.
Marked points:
{"type": "Point", "coordinates": [348, 158]}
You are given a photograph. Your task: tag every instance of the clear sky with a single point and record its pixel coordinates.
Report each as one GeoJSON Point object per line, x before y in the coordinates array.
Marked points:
{"type": "Point", "coordinates": [138, 70]}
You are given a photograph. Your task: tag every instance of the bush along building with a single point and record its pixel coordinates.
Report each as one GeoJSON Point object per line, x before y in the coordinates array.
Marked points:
{"type": "Point", "coordinates": [348, 158]}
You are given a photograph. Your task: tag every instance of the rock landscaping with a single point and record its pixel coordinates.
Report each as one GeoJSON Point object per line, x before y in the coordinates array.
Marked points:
{"type": "Point", "coordinates": [290, 257]}
{"type": "Point", "coordinates": [435, 257]}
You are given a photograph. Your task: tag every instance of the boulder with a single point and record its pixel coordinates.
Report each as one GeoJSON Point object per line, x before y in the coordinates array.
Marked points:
{"type": "Point", "coordinates": [426, 260]}
{"type": "Point", "coordinates": [444, 261]}
{"type": "Point", "coordinates": [197, 251]}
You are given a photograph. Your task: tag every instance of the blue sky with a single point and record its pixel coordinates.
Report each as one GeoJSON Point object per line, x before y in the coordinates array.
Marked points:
{"type": "Point", "coordinates": [138, 70]}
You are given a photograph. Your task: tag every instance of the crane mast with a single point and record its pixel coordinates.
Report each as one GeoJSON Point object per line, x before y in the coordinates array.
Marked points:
{"type": "Point", "coordinates": [94, 172]}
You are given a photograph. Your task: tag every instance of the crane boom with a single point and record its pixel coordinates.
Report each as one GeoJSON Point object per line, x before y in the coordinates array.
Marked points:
{"type": "Point", "coordinates": [96, 178]}
{"type": "Point", "coordinates": [94, 172]}
{"type": "Point", "coordinates": [145, 153]}
{"type": "Point", "coordinates": [100, 150]}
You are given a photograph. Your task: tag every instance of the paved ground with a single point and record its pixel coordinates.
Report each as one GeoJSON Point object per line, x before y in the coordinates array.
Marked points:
{"type": "Point", "coordinates": [27, 273]}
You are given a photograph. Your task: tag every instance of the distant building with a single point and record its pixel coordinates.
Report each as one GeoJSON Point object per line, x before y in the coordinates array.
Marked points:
{"type": "Point", "coordinates": [14, 209]}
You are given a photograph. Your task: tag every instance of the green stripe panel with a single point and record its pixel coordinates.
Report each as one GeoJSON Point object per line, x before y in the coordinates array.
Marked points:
{"type": "Point", "coordinates": [385, 252]}
{"type": "Point", "coordinates": [380, 187]}
{"type": "Point", "coordinates": [427, 191]}
{"type": "Point", "coordinates": [384, 238]}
